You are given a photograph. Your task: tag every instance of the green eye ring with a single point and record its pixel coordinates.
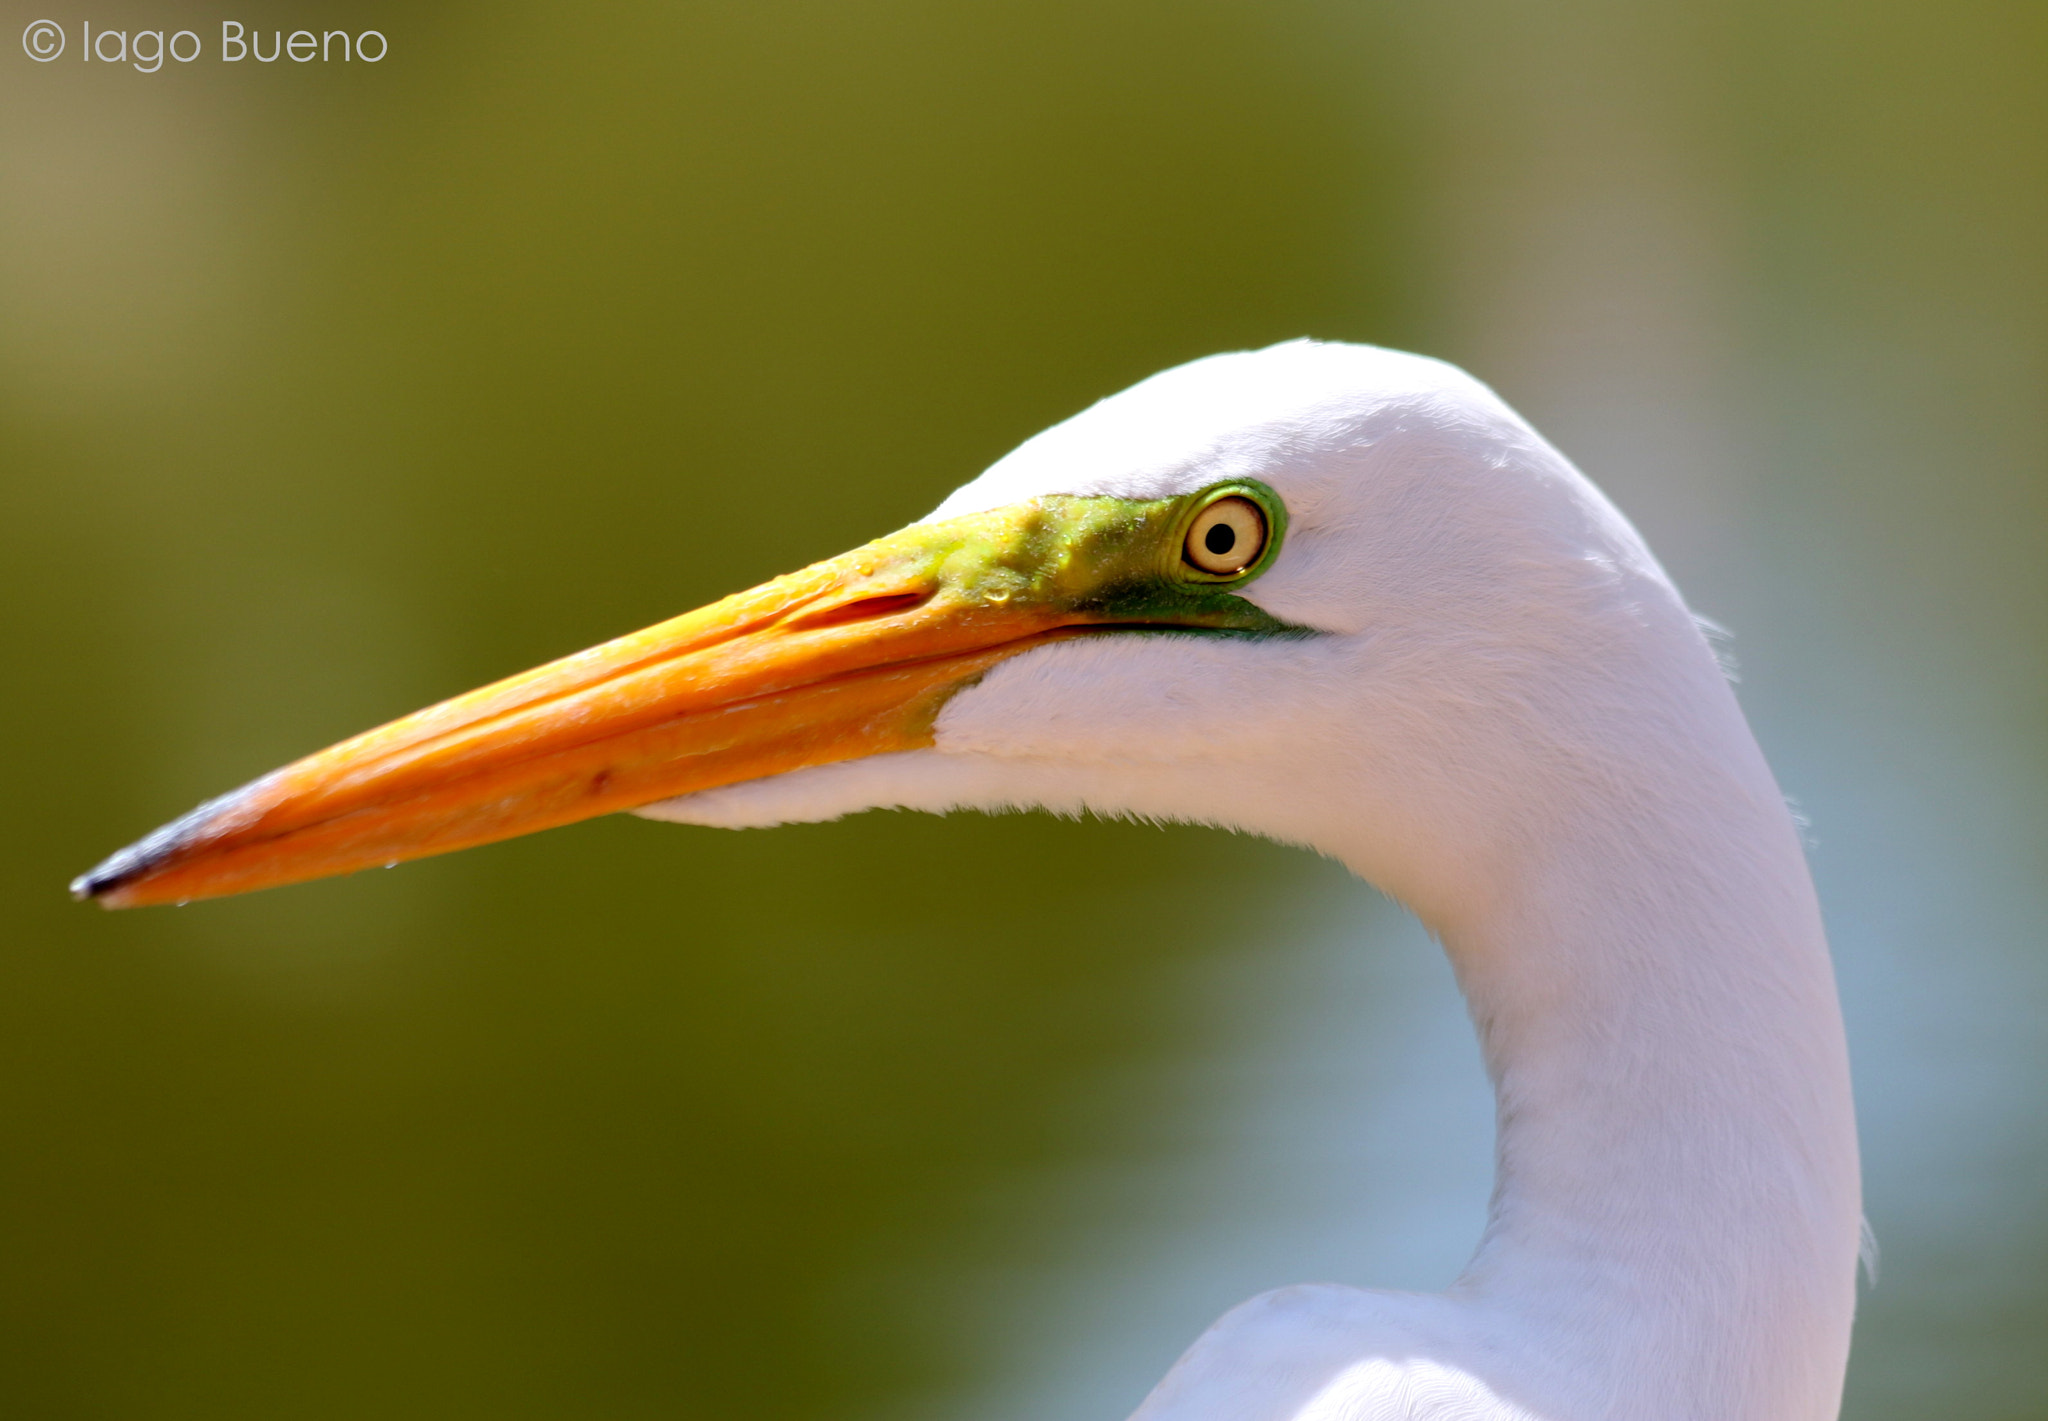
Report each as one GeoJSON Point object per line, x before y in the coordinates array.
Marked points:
{"type": "Point", "coordinates": [1228, 534]}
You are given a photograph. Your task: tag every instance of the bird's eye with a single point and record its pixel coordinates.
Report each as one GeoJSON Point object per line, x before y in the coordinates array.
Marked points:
{"type": "Point", "coordinates": [1226, 537]}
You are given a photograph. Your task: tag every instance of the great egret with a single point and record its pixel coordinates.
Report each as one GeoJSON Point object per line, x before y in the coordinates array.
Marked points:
{"type": "Point", "coordinates": [1346, 598]}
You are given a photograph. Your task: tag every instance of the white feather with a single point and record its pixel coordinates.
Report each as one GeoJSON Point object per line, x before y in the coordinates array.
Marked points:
{"type": "Point", "coordinates": [1512, 723]}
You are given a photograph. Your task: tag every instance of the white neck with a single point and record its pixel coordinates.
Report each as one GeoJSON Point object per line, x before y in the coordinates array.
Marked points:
{"type": "Point", "coordinates": [1676, 1209]}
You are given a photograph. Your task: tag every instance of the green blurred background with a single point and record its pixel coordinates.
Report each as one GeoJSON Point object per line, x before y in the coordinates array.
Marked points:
{"type": "Point", "coordinates": [330, 390]}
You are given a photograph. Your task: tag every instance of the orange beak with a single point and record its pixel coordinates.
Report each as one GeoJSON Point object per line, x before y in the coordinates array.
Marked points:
{"type": "Point", "coordinates": [851, 657]}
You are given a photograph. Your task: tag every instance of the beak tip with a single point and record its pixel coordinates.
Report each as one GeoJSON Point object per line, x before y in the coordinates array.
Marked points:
{"type": "Point", "coordinates": [103, 883]}
{"type": "Point", "coordinates": [111, 882]}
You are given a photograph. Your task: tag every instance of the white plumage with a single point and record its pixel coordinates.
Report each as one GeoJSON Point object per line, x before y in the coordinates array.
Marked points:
{"type": "Point", "coordinates": [1511, 723]}
{"type": "Point", "coordinates": [1439, 656]}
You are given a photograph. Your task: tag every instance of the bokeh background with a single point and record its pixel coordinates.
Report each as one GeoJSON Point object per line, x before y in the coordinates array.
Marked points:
{"type": "Point", "coordinates": [330, 390]}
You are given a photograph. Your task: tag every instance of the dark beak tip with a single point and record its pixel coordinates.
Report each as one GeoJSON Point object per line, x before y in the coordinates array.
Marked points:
{"type": "Point", "coordinates": [103, 881]}
{"type": "Point", "coordinates": [94, 885]}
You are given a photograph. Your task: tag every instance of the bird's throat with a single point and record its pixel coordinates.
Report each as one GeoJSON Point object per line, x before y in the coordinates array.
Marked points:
{"type": "Point", "coordinates": [1676, 1156]}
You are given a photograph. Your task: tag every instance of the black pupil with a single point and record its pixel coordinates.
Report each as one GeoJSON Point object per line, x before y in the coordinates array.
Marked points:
{"type": "Point", "coordinates": [1220, 538]}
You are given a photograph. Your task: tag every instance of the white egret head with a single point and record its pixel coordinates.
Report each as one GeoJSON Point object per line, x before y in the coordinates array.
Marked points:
{"type": "Point", "coordinates": [1461, 628]}
{"type": "Point", "coordinates": [1330, 593]}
